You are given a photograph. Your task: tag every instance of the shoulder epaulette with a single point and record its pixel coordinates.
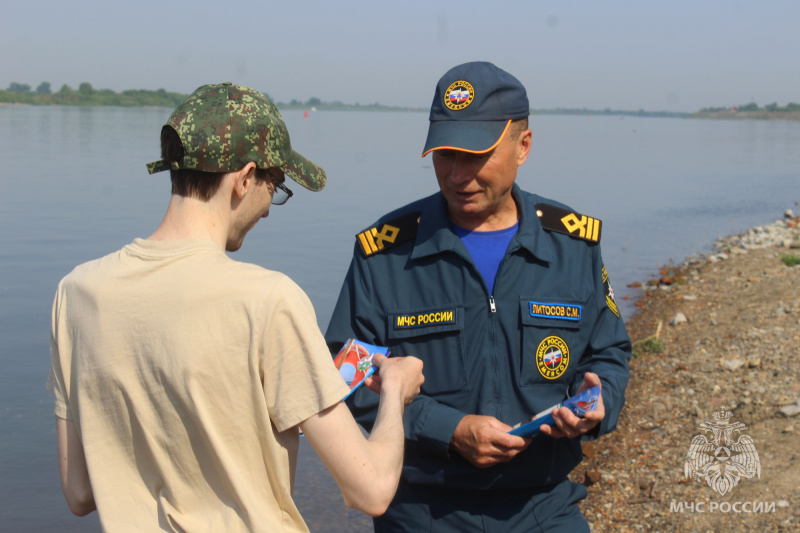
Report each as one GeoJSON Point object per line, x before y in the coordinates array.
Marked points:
{"type": "Point", "coordinates": [569, 223]}
{"type": "Point", "coordinates": [389, 234]}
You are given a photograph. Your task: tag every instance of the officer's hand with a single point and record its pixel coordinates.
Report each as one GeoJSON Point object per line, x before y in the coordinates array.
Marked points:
{"type": "Point", "coordinates": [567, 424]}
{"type": "Point", "coordinates": [400, 374]}
{"type": "Point", "coordinates": [484, 441]}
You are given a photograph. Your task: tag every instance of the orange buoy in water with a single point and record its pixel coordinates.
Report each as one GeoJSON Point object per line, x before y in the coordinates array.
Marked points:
{"type": "Point", "coordinates": [306, 114]}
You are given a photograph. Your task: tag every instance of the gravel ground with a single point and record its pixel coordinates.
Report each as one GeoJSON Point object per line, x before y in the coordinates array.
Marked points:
{"type": "Point", "coordinates": [721, 330]}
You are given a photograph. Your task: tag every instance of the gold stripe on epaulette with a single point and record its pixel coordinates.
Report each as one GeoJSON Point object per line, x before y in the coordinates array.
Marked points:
{"type": "Point", "coordinates": [367, 244]}
{"type": "Point", "coordinates": [396, 231]}
{"type": "Point", "coordinates": [570, 223]}
{"type": "Point", "coordinates": [372, 240]}
{"type": "Point", "coordinates": [587, 227]}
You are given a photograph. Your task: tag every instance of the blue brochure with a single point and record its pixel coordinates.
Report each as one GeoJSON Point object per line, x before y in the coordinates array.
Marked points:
{"type": "Point", "coordinates": [354, 362]}
{"type": "Point", "coordinates": [580, 404]}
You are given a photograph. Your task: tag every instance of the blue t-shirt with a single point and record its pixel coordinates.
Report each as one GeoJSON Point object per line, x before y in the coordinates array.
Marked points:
{"type": "Point", "coordinates": [487, 249]}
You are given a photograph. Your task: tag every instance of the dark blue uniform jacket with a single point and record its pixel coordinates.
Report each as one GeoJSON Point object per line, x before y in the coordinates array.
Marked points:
{"type": "Point", "coordinates": [424, 297]}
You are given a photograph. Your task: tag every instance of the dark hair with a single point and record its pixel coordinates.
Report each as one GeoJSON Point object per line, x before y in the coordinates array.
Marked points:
{"type": "Point", "coordinates": [262, 174]}
{"type": "Point", "coordinates": [187, 181]}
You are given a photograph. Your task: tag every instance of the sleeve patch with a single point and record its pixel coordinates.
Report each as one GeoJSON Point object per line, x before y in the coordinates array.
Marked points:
{"type": "Point", "coordinates": [610, 301]}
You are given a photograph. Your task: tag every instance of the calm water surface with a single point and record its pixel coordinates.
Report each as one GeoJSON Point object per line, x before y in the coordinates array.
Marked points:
{"type": "Point", "coordinates": [73, 187]}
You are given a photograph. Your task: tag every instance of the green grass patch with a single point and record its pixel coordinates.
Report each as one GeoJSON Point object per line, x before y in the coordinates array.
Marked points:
{"type": "Point", "coordinates": [790, 260]}
{"type": "Point", "coordinates": [648, 346]}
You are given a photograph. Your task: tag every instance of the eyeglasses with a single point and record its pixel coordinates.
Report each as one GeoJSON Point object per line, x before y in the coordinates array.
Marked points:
{"type": "Point", "coordinates": [280, 194]}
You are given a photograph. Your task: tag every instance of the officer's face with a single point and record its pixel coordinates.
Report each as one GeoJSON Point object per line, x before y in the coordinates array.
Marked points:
{"type": "Point", "coordinates": [477, 187]}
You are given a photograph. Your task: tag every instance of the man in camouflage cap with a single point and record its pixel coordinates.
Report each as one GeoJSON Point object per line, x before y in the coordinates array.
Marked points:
{"type": "Point", "coordinates": [182, 378]}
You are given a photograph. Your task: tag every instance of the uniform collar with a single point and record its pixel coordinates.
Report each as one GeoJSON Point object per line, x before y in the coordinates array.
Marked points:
{"type": "Point", "coordinates": [531, 235]}
{"type": "Point", "coordinates": [435, 234]}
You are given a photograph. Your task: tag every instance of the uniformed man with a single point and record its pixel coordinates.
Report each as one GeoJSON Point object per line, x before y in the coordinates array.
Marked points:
{"type": "Point", "coordinates": [504, 296]}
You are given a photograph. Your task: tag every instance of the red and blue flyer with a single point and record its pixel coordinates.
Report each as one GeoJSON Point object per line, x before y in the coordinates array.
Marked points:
{"type": "Point", "coordinates": [354, 362]}
{"type": "Point", "coordinates": [580, 404]}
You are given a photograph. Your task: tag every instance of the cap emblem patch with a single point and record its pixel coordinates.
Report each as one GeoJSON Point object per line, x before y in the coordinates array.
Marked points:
{"type": "Point", "coordinates": [459, 95]}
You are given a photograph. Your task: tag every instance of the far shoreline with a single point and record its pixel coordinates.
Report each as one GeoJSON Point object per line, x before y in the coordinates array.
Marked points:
{"type": "Point", "coordinates": [742, 116]}
{"type": "Point", "coordinates": [780, 234]}
{"type": "Point", "coordinates": [159, 99]}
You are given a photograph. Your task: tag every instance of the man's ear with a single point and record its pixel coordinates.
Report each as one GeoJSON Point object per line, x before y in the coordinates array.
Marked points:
{"type": "Point", "coordinates": [244, 179]}
{"type": "Point", "coordinates": [524, 146]}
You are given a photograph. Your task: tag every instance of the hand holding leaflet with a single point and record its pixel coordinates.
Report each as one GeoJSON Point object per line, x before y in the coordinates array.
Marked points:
{"type": "Point", "coordinates": [354, 362]}
{"type": "Point", "coordinates": [579, 404]}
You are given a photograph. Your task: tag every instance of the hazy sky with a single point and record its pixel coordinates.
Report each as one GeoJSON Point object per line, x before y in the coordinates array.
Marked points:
{"type": "Point", "coordinates": [675, 55]}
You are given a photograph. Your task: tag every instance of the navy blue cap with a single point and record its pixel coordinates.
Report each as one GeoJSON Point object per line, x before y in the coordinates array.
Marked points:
{"type": "Point", "coordinates": [473, 105]}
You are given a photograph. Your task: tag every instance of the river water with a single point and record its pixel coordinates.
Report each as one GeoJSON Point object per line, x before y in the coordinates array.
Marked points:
{"type": "Point", "coordinates": [73, 187]}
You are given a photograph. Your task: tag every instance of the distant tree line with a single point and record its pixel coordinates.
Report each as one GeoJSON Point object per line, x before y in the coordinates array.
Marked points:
{"type": "Point", "coordinates": [315, 102]}
{"type": "Point", "coordinates": [86, 95]}
{"type": "Point", "coordinates": [772, 108]}
{"type": "Point", "coordinates": [608, 111]}
{"type": "Point", "coordinates": [43, 88]}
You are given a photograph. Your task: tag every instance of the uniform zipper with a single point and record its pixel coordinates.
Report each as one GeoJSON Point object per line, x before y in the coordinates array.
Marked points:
{"type": "Point", "coordinates": [493, 311]}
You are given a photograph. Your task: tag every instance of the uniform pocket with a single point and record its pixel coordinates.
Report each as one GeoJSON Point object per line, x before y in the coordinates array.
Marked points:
{"type": "Point", "coordinates": [552, 343]}
{"type": "Point", "coordinates": [435, 335]}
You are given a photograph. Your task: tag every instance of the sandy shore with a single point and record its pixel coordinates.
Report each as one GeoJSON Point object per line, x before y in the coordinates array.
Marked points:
{"type": "Point", "coordinates": [721, 330]}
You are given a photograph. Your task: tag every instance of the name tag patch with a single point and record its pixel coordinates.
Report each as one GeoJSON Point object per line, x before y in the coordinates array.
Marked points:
{"type": "Point", "coordinates": [426, 318]}
{"type": "Point", "coordinates": [558, 311]}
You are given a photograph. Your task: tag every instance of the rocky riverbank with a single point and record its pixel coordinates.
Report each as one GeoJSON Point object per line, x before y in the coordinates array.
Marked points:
{"type": "Point", "coordinates": [721, 330]}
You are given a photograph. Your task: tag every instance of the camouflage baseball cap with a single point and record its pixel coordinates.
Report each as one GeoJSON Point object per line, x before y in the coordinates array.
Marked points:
{"type": "Point", "coordinates": [223, 127]}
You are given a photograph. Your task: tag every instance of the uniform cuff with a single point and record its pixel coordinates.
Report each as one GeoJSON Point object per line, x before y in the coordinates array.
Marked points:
{"type": "Point", "coordinates": [438, 429]}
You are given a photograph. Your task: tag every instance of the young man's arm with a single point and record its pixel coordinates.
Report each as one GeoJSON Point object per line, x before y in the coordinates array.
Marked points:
{"type": "Point", "coordinates": [72, 467]}
{"type": "Point", "coordinates": [368, 470]}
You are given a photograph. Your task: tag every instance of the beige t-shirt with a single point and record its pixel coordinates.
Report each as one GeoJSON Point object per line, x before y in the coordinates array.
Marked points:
{"type": "Point", "coordinates": [186, 374]}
